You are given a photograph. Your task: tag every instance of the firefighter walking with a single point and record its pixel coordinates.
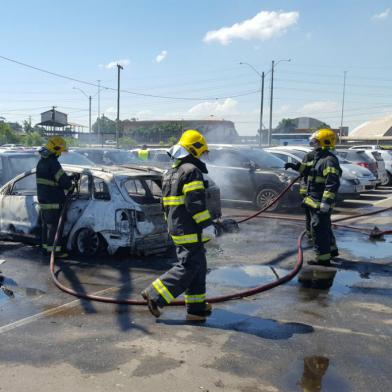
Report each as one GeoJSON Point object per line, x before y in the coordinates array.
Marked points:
{"type": "Point", "coordinates": [52, 181]}
{"type": "Point", "coordinates": [323, 174]}
{"type": "Point", "coordinates": [189, 225]}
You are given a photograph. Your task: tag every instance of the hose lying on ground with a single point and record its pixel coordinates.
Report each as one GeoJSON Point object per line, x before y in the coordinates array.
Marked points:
{"type": "Point", "coordinates": [222, 298]}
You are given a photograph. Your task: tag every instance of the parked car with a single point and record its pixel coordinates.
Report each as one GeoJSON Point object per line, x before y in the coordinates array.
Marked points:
{"type": "Point", "coordinates": [360, 158]}
{"type": "Point", "coordinates": [113, 208]}
{"type": "Point", "coordinates": [13, 163]}
{"type": "Point", "coordinates": [386, 155]}
{"type": "Point", "coordinates": [107, 156]}
{"type": "Point", "coordinates": [250, 175]}
{"type": "Point", "coordinates": [349, 187]}
{"type": "Point", "coordinates": [128, 159]}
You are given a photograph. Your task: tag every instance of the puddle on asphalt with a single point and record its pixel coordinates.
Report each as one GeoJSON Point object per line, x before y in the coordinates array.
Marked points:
{"type": "Point", "coordinates": [242, 317]}
{"type": "Point", "coordinates": [317, 375]}
{"type": "Point", "coordinates": [362, 247]}
{"type": "Point", "coordinates": [335, 282]}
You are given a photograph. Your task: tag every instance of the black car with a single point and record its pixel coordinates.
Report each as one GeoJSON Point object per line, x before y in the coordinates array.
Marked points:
{"type": "Point", "coordinates": [251, 175]}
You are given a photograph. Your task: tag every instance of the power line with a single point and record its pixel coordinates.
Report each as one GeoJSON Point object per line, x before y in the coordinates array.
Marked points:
{"type": "Point", "coordinates": [123, 91]}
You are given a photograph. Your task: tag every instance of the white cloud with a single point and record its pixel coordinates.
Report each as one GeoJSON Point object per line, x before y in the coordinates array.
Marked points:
{"type": "Point", "coordinates": [318, 107]}
{"type": "Point", "coordinates": [214, 108]}
{"type": "Point", "coordinates": [161, 56]}
{"type": "Point", "coordinates": [382, 15]}
{"type": "Point", "coordinates": [113, 64]}
{"type": "Point", "coordinates": [263, 26]}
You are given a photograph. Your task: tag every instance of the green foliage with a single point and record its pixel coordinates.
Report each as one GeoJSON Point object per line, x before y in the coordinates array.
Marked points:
{"type": "Point", "coordinates": [7, 135]}
{"type": "Point", "coordinates": [126, 142]}
{"type": "Point", "coordinates": [33, 139]}
{"type": "Point", "coordinates": [172, 140]}
{"type": "Point", "coordinates": [155, 133]}
{"type": "Point", "coordinates": [286, 125]}
{"type": "Point", "coordinates": [71, 142]}
{"type": "Point", "coordinates": [106, 125]}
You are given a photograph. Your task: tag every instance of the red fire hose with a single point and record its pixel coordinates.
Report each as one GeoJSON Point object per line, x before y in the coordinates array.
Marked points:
{"type": "Point", "coordinates": [222, 298]}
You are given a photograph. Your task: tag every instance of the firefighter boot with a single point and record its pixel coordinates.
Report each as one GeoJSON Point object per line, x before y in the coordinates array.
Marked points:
{"type": "Point", "coordinates": [152, 305]}
{"type": "Point", "coordinates": [200, 316]}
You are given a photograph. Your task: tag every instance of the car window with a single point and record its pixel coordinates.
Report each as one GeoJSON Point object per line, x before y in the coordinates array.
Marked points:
{"type": "Point", "coordinates": [154, 188]}
{"type": "Point", "coordinates": [139, 191]}
{"type": "Point", "coordinates": [22, 163]}
{"type": "Point", "coordinates": [25, 186]}
{"type": "Point", "coordinates": [161, 157]}
{"type": "Point", "coordinates": [1, 170]}
{"type": "Point", "coordinates": [283, 157]}
{"type": "Point", "coordinates": [84, 189]}
{"type": "Point", "coordinates": [120, 157]}
{"type": "Point", "coordinates": [100, 189]}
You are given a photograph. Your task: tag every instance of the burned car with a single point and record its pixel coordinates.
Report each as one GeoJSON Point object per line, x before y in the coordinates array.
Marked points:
{"type": "Point", "coordinates": [112, 208]}
{"type": "Point", "coordinates": [128, 160]}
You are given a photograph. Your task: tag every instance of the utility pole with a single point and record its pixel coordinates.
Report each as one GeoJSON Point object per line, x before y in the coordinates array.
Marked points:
{"type": "Point", "coordinates": [99, 115]}
{"type": "Point", "coordinates": [271, 100]}
{"type": "Point", "coordinates": [261, 109]}
{"type": "Point", "coordinates": [261, 99]}
{"type": "Point", "coordinates": [89, 117]}
{"type": "Point", "coordinates": [343, 95]}
{"type": "Point", "coordinates": [119, 68]}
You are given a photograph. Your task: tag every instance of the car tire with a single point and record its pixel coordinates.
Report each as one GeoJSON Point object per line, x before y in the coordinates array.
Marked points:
{"type": "Point", "coordinates": [389, 178]}
{"type": "Point", "coordinates": [265, 196]}
{"type": "Point", "coordinates": [87, 242]}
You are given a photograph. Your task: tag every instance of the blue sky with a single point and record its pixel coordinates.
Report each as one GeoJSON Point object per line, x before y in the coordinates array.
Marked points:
{"type": "Point", "coordinates": [199, 44]}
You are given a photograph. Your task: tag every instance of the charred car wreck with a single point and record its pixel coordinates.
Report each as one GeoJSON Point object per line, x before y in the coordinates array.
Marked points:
{"type": "Point", "coordinates": [112, 208]}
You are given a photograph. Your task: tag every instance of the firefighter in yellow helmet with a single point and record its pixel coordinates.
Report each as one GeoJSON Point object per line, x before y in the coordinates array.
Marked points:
{"type": "Point", "coordinates": [323, 184]}
{"type": "Point", "coordinates": [52, 181]}
{"type": "Point", "coordinates": [323, 180]}
{"type": "Point", "coordinates": [189, 225]}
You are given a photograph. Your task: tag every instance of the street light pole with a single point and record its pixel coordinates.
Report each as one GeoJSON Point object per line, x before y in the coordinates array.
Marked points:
{"type": "Point", "coordinates": [343, 96]}
{"type": "Point", "coordinates": [99, 115]}
{"type": "Point", "coordinates": [89, 109]}
{"type": "Point", "coordinates": [261, 99]}
{"type": "Point", "coordinates": [271, 100]}
{"type": "Point", "coordinates": [119, 68]}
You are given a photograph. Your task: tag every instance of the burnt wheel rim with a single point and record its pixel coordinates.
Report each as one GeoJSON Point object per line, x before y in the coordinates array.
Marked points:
{"type": "Point", "coordinates": [265, 197]}
{"type": "Point", "coordinates": [87, 242]}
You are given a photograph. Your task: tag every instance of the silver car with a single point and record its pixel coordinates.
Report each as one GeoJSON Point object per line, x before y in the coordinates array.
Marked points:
{"type": "Point", "coordinates": [113, 208]}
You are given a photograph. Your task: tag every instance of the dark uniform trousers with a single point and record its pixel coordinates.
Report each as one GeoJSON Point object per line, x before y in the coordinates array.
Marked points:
{"type": "Point", "coordinates": [187, 275]}
{"type": "Point", "coordinates": [322, 234]}
{"type": "Point", "coordinates": [50, 220]}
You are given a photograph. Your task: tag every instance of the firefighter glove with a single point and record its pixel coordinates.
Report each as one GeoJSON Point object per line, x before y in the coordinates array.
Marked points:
{"type": "Point", "coordinates": [290, 165]}
{"type": "Point", "coordinates": [209, 233]}
{"type": "Point", "coordinates": [324, 208]}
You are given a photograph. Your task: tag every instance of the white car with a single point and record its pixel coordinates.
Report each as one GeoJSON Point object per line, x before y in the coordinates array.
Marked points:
{"type": "Point", "coordinates": [113, 208]}
{"type": "Point", "coordinates": [386, 155]}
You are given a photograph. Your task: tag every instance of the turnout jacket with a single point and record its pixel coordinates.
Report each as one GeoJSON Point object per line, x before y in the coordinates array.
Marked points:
{"type": "Point", "coordinates": [51, 181]}
{"type": "Point", "coordinates": [323, 178]}
{"type": "Point", "coordinates": [307, 161]}
{"type": "Point", "coordinates": [184, 201]}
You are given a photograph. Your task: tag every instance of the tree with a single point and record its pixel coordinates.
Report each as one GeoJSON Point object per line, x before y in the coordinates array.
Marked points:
{"type": "Point", "coordinates": [33, 139]}
{"type": "Point", "coordinates": [106, 125]}
{"type": "Point", "coordinates": [126, 142]}
{"type": "Point", "coordinates": [286, 125]}
{"type": "Point", "coordinates": [7, 135]}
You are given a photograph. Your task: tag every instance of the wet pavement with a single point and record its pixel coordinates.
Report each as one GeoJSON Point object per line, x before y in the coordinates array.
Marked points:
{"type": "Point", "coordinates": [329, 329]}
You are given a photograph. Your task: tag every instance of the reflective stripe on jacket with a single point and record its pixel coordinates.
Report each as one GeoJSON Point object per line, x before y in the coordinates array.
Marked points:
{"type": "Point", "coordinates": [184, 201]}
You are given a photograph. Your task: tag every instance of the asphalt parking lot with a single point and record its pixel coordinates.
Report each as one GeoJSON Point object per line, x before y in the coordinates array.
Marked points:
{"type": "Point", "coordinates": [295, 337]}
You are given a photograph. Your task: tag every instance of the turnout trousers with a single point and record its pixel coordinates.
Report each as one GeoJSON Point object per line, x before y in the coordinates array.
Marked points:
{"type": "Point", "coordinates": [187, 276]}
{"type": "Point", "coordinates": [50, 221]}
{"type": "Point", "coordinates": [322, 235]}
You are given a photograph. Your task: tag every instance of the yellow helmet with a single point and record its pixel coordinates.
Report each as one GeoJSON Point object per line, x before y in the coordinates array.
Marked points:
{"type": "Point", "coordinates": [194, 142]}
{"type": "Point", "coordinates": [56, 145]}
{"type": "Point", "coordinates": [326, 138]}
